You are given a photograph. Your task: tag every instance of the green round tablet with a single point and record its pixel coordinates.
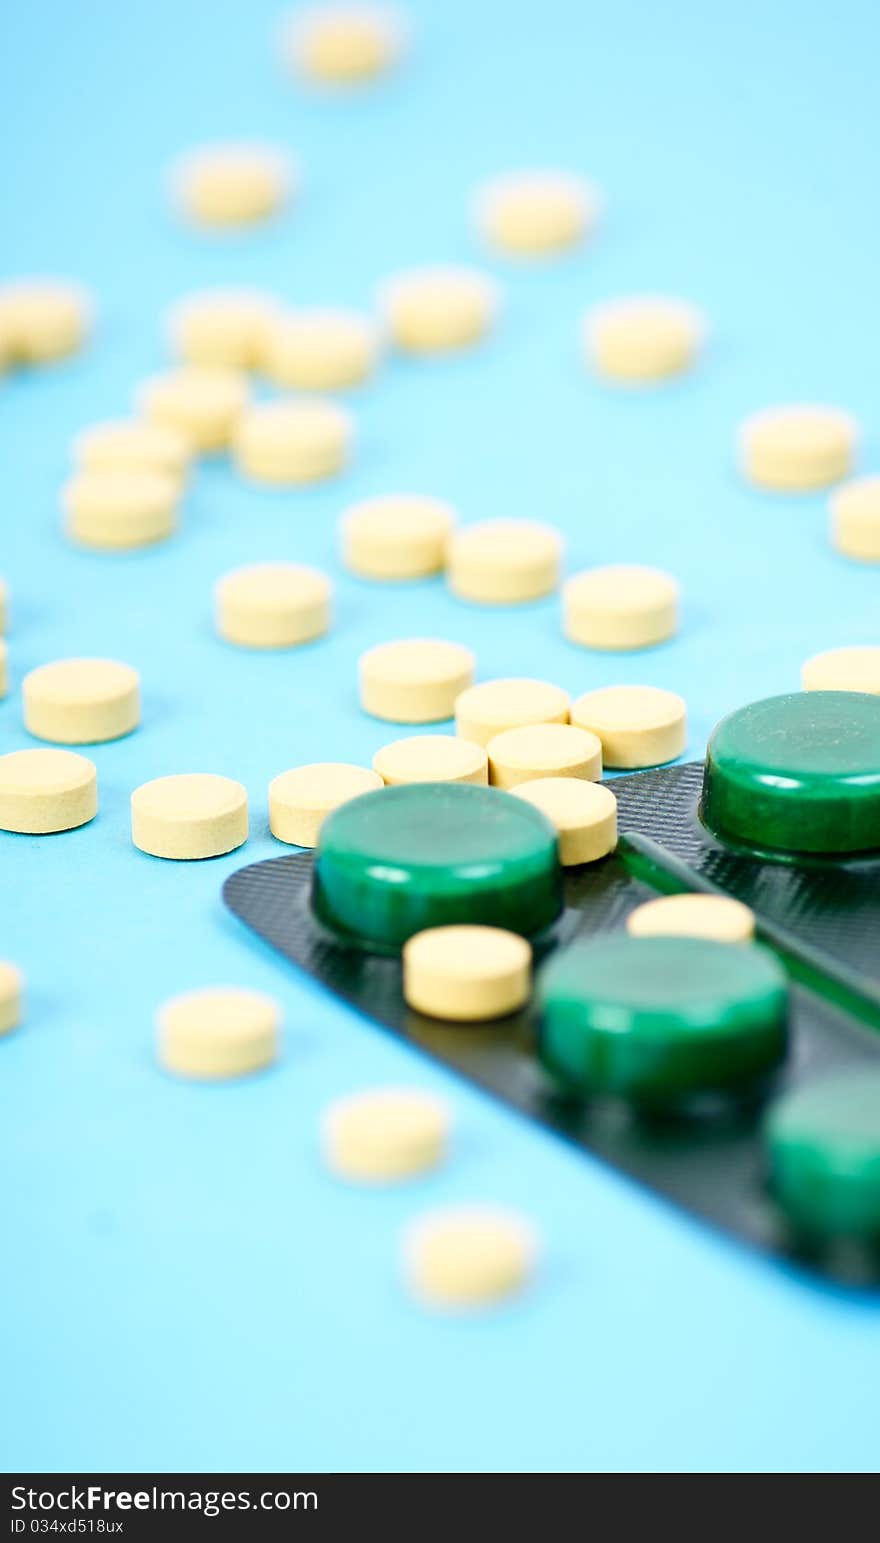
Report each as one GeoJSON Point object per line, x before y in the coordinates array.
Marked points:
{"type": "Point", "coordinates": [800, 773]}
{"type": "Point", "coordinates": [823, 1141]}
{"type": "Point", "coordinates": [655, 1019]}
{"type": "Point", "coordinates": [428, 854]}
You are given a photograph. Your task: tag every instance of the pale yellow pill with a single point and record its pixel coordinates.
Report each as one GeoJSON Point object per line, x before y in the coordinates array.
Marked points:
{"type": "Point", "coordinates": [223, 328]}
{"type": "Point", "coordinates": [301, 799]}
{"type": "Point", "coordinates": [543, 750]}
{"type": "Point", "coordinates": [42, 791]}
{"type": "Point", "coordinates": [4, 668]}
{"type": "Point", "coordinates": [203, 405]}
{"type": "Point", "coordinates": [272, 605]}
{"type": "Point", "coordinates": [468, 1257]}
{"type": "Point", "coordinates": [43, 319]}
{"type": "Point", "coordinates": [398, 536]}
{"type": "Point", "coordinates": [4, 606]}
{"type": "Point", "coordinates": [293, 440]}
{"type": "Point", "coordinates": [342, 45]}
{"type": "Point", "coordinates": [643, 338]}
{"type": "Point", "coordinates": [11, 987]}
{"type": "Point", "coordinates": [488, 709]}
{"type": "Point", "coordinates": [796, 449]}
{"type": "Point", "coordinates": [132, 444]}
{"type": "Point", "coordinates": [416, 680]}
{"type": "Point", "coordinates": [232, 184]}
{"type": "Point", "coordinates": [620, 607]}
{"type": "Point", "coordinates": [504, 562]}
{"type": "Point", "coordinates": [220, 1032]}
{"type": "Point", "coordinates": [432, 758]}
{"type": "Point", "coordinates": [855, 519]}
{"type": "Point", "coordinates": [536, 213]}
{"type": "Point", "coordinates": [584, 813]}
{"type": "Point", "coordinates": [118, 509]}
{"type": "Point", "coordinates": [81, 701]}
{"type": "Point", "coordinates": [385, 1134]}
{"type": "Point", "coordinates": [189, 816]}
{"type": "Point", "coordinates": [638, 725]}
{"type": "Point", "coordinates": [468, 974]}
{"type": "Point", "coordinates": [693, 916]}
{"type": "Point", "coordinates": [320, 350]}
{"type": "Point", "coordinates": [434, 310]}
{"type": "Point", "coordinates": [844, 669]}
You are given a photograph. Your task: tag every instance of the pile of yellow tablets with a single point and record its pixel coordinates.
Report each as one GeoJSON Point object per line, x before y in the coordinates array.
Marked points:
{"type": "Point", "coordinates": [254, 376]}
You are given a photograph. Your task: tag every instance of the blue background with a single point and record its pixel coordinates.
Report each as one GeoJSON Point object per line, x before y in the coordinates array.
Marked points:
{"type": "Point", "coordinates": [183, 1285]}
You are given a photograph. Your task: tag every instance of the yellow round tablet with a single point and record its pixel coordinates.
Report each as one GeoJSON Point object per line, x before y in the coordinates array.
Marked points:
{"type": "Point", "coordinates": [584, 813]}
{"type": "Point", "coordinates": [342, 45]}
{"type": "Point", "coordinates": [543, 750]}
{"type": "Point", "coordinates": [844, 669]}
{"type": "Point", "coordinates": [81, 701]}
{"type": "Point", "coordinates": [219, 1032]}
{"type": "Point", "coordinates": [504, 562]}
{"type": "Point", "coordinates": [643, 338]}
{"type": "Point", "coordinates": [468, 1256]}
{"type": "Point", "coordinates": [434, 310]}
{"type": "Point", "coordinates": [118, 509]}
{"type": "Point", "coordinates": [272, 605]}
{"type": "Point", "coordinates": [11, 986]}
{"type": "Point", "coordinates": [536, 213]}
{"type": "Point", "coordinates": [693, 916]}
{"type": "Point", "coordinates": [432, 758]}
{"type": "Point", "coordinates": [620, 607]}
{"type": "Point", "coordinates": [223, 328]}
{"type": "Point", "coordinates": [189, 816]}
{"type": "Point", "coordinates": [204, 405]}
{"type": "Point", "coordinates": [855, 519]}
{"type": "Point", "coordinates": [415, 680]}
{"type": "Point", "coordinates": [488, 709]}
{"type": "Point", "coordinates": [468, 974]}
{"type": "Point", "coordinates": [638, 725]}
{"type": "Point", "coordinates": [397, 536]}
{"type": "Point", "coordinates": [384, 1134]}
{"type": "Point", "coordinates": [320, 350]}
{"type": "Point", "coordinates": [796, 449]}
{"type": "Point", "coordinates": [293, 440]}
{"type": "Point", "coordinates": [43, 319]}
{"type": "Point", "coordinates": [232, 184]}
{"type": "Point", "coordinates": [130, 444]}
{"type": "Point", "coordinates": [301, 799]}
{"type": "Point", "coordinates": [42, 791]}
{"type": "Point", "coordinates": [4, 668]}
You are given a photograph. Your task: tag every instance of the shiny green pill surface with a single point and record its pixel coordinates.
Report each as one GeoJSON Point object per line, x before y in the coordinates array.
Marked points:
{"type": "Point", "coordinates": [823, 1143]}
{"type": "Point", "coordinates": [428, 854]}
{"type": "Point", "coordinates": [797, 773]}
{"type": "Point", "coordinates": [656, 1019]}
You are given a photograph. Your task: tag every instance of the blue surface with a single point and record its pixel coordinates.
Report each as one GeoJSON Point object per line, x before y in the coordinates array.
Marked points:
{"type": "Point", "coordinates": [184, 1287]}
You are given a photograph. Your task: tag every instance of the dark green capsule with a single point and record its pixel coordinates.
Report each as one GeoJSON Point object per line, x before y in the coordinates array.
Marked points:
{"type": "Point", "coordinates": [430, 854]}
{"type": "Point", "coordinates": [823, 1143]}
{"type": "Point", "coordinates": [657, 1019]}
{"type": "Point", "coordinates": [798, 773]}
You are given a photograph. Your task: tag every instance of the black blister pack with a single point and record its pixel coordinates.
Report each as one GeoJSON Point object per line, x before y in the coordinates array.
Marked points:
{"type": "Point", "coordinates": [822, 917]}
